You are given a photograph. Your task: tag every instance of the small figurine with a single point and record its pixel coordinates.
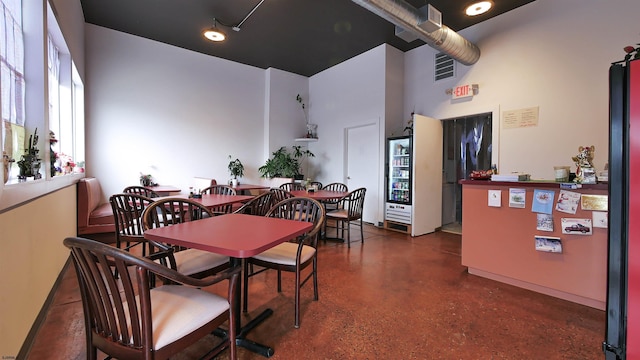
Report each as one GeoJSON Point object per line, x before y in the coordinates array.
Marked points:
{"type": "Point", "coordinates": [585, 173]}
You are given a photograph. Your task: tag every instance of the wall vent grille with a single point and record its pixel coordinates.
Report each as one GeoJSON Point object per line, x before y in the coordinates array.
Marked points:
{"type": "Point", "coordinates": [445, 67]}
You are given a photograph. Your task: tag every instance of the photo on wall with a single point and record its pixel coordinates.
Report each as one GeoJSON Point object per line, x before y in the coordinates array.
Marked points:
{"type": "Point", "coordinates": [544, 222]}
{"type": "Point", "coordinates": [548, 244]}
{"type": "Point", "coordinates": [517, 198]}
{"type": "Point", "coordinates": [568, 201]}
{"type": "Point", "coordinates": [576, 226]}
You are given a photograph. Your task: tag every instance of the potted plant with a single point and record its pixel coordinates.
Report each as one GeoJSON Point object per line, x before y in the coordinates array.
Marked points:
{"type": "Point", "coordinates": [284, 164]}
{"type": "Point", "coordinates": [299, 154]}
{"type": "Point", "coordinates": [236, 169]}
{"type": "Point", "coordinates": [29, 163]}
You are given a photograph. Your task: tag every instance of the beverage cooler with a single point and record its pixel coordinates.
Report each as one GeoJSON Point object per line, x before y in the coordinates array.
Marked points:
{"type": "Point", "coordinates": [413, 201]}
{"type": "Point", "coordinates": [399, 179]}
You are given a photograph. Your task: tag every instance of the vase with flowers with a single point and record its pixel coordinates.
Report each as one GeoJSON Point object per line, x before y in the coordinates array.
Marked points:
{"type": "Point", "coordinates": [311, 128]}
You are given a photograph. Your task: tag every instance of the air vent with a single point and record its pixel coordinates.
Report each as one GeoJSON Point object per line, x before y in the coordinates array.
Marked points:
{"type": "Point", "coordinates": [445, 67]}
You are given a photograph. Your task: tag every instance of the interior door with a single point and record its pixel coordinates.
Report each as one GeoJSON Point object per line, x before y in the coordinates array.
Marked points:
{"type": "Point", "coordinates": [362, 166]}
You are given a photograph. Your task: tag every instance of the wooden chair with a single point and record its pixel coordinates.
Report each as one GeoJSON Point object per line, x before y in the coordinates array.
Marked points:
{"type": "Point", "coordinates": [140, 190]}
{"type": "Point", "coordinates": [220, 190]}
{"type": "Point", "coordinates": [293, 256]}
{"type": "Point", "coordinates": [127, 319]}
{"type": "Point", "coordinates": [259, 205]}
{"type": "Point", "coordinates": [279, 195]}
{"type": "Point", "coordinates": [192, 262]}
{"type": "Point", "coordinates": [291, 186]}
{"type": "Point", "coordinates": [127, 211]}
{"type": "Point", "coordinates": [349, 209]}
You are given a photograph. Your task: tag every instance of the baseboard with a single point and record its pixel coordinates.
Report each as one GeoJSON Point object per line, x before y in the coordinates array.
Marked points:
{"type": "Point", "coordinates": [42, 315]}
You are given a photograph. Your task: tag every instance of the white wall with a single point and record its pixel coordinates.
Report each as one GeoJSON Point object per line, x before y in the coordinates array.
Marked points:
{"type": "Point", "coordinates": [173, 113]}
{"type": "Point", "coordinates": [551, 54]}
{"type": "Point", "coordinates": [353, 93]}
{"type": "Point", "coordinates": [284, 119]}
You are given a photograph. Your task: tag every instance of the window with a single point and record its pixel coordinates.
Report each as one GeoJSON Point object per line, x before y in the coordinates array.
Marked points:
{"type": "Point", "coordinates": [12, 81]}
{"type": "Point", "coordinates": [66, 104]}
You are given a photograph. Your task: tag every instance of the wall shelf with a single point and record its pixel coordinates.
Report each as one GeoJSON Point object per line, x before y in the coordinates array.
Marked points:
{"type": "Point", "coordinates": [306, 139]}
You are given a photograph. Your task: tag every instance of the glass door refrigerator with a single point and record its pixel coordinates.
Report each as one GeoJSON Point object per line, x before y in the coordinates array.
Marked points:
{"type": "Point", "coordinates": [414, 179]}
{"type": "Point", "coordinates": [398, 184]}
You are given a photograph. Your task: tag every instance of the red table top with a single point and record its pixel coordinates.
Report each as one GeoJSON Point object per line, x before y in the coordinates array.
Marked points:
{"type": "Point", "coordinates": [235, 235]}
{"type": "Point", "coordinates": [213, 200]}
{"type": "Point", "coordinates": [320, 194]}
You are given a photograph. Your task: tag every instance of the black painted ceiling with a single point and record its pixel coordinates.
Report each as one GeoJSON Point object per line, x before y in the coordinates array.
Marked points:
{"type": "Point", "coordinates": [299, 36]}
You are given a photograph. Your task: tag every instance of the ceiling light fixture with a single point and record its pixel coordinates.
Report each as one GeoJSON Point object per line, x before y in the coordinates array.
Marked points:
{"type": "Point", "coordinates": [213, 33]}
{"type": "Point", "coordinates": [478, 8]}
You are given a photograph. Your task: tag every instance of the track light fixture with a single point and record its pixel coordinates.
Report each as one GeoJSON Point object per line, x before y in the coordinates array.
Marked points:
{"type": "Point", "coordinates": [213, 33]}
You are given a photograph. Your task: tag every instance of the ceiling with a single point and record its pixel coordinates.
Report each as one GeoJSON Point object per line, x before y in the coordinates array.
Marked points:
{"type": "Point", "coordinates": [298, 36]}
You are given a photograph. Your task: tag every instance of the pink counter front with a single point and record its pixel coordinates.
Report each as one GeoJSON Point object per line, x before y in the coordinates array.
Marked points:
{"type": "Point", "coordinates": [498, 243]}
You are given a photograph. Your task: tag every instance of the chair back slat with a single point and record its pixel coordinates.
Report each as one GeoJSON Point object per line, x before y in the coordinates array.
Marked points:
{"type": "Point", "coordinates": [127, 211]}
{"type": "Point", "coordinates": [279, 194]}
{"type": "Point", "coordinates": [259, 205]}
{"type": "Point", "coordinates": [291, 186]}
{"type": "Point", "coordinates": [336, 186]}
{"type": "Point", "coordinates": [171, 211]}
{"type": "Point", "coordinates": [355, 203]}
{"type": "Point", "coordinates": [114, 311]}
{"type": "Point", "coordinates": [220, 190]}
{"type": "Point", "coordinates": [301, 209]}
{"type": "Point", "coordinates": [140, 190]}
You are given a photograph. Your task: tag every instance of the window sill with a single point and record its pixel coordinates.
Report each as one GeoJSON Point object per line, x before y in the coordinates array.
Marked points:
{"type": "Point", "coordinates": [16, 193]}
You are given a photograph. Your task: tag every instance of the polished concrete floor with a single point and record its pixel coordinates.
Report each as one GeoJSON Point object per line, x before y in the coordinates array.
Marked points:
{"type": "Point", "coordinates": [393, 297]}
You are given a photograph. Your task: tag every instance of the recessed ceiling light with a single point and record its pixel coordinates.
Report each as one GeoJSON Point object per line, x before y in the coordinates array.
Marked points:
{"type": "Point", "coordinates": [478, 8]}
{"type": "Point", "coordinates": [213, 33]}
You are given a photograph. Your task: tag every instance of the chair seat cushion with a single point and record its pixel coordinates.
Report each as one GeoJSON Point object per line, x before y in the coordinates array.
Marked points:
{"type": "Point", "coordinates": [101, 215]}
{"type": "Point", "coordinates": [178, 310]}
{"type": "Point", "coordinates": [338, 214]}
{"type": "Point", "coordinates": [285, 254]}
{"type": "Point", "coordinates": [193, 261]}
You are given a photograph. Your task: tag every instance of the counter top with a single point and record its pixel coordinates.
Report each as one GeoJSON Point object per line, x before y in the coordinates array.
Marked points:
{"type": "Point", "coordinates": [533, 183]}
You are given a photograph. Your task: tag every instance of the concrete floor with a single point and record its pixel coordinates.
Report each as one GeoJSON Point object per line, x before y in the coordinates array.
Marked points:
{"type": "Point", "coordinates": [393, 297]}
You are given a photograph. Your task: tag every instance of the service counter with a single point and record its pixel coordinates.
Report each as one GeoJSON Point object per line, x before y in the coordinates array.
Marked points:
{"type": "Point", "coordinates": [498, 243]}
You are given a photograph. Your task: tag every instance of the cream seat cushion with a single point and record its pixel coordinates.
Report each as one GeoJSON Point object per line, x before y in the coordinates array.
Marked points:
{"type": "Point", "coordinates": [178, 310]}
{"type": "Point", "coordinates": [285, 254]}
{"type": "Point", "coordinates": [193, 261]}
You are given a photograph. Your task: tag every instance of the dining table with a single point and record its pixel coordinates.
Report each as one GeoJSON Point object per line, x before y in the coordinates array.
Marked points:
{"type": "Point", "coordinates": [214, 200]}
{"type": "Point", "coordinates": [238, 236]}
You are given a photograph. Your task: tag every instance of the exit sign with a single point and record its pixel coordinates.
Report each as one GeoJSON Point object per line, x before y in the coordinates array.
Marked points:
{"type": "Point", "coordinates": [462, 91]}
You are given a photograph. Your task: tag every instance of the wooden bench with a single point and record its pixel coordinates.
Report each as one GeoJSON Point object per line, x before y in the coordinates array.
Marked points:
{"type": "Point", "coordinates": [94, 216]}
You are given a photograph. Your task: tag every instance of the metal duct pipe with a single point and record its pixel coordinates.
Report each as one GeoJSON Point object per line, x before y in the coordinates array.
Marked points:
{"type": "Point", "coordinates": [402, 14]}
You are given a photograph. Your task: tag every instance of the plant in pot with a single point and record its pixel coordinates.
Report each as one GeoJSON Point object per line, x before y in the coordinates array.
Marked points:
{"type": "Point", "coordinates": [236, 169]}
{"type": "Point", "coordinates": [300, 155]}
{"type": "Point", "coordinates": [284, 164]}
{"type": "Point", "coordinates": [29, 163]}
